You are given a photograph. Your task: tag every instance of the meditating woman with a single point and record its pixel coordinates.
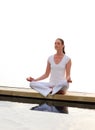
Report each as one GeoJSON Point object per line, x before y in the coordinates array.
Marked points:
{"type": "Point", "coordinates": [58, 67]}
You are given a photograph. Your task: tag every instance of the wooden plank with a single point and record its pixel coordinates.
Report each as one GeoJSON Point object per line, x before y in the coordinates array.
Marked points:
{"type": "Point", "coordinates": [30, 93]}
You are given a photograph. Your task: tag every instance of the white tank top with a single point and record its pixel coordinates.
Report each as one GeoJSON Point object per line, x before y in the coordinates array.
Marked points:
{"type": "Point", "coordinates": [57, 70]}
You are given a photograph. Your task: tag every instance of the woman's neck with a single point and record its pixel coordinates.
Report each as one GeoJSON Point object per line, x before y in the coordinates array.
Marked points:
{"type": "Point", "coordinates": [59, 53]}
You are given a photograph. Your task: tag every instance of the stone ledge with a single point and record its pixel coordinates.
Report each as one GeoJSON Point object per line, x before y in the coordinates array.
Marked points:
{"type": "Point", "coordinates": [28, 92]}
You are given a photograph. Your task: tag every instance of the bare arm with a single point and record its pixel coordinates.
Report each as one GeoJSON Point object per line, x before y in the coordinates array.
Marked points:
{"type": "Point", "coordinates": [68, 69]}
{"type": "Point", "coordinates": [44, 76]}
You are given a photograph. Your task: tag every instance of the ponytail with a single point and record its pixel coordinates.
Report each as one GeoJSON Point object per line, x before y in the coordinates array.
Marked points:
{"type": "Point", "coordinates": [64, 49]}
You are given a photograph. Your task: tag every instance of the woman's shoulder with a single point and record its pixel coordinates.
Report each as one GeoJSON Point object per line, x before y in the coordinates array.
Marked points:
{"type": "Point", "coordinates": [67, 58]}
{"type": "Point", "coordinates": [50, 57]}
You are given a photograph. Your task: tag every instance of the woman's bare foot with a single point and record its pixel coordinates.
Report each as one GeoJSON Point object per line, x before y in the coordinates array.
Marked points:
{"type": "Point", "coordinates": [61, 92]}
{"type": "Point", "coordinates": [51, 87]}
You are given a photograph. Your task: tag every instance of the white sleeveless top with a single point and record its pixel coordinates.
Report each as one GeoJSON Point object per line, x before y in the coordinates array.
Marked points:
{"type": "Point", "coordinates": [57, 70]}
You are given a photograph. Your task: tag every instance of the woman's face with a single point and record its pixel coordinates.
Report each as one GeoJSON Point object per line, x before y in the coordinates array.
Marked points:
{"type": "Point", "coordinates": [58, 45]}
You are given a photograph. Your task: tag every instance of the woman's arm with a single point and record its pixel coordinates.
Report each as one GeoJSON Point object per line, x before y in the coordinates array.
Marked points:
{"type": "Point", "coordinates": [68, 70]}
{"type": "Point", "coordinates": [44, 76]}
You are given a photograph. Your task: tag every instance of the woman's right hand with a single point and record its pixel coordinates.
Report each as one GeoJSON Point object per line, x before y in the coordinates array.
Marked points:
{"type": "Point", "coordinates": [30, 79]}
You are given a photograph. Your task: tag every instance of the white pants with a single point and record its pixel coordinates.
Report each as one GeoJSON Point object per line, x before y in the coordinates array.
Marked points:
{"type": "Point", "coordinates": [45, 88]}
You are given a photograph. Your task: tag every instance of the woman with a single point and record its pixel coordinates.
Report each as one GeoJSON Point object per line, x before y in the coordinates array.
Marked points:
{"type": "Point", "coordinates": [59, 66]}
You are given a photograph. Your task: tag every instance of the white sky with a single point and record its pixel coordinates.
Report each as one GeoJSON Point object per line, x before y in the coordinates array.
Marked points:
{"type": "Point", "coordinates": [28, 30]}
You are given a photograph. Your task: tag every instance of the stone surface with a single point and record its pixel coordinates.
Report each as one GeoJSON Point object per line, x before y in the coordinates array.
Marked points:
{"type": "Point", "coordinates": [28, 92]}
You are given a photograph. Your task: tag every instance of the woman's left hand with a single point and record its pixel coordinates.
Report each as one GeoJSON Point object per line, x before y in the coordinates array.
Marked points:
{"type": "Point", "coordinates": [69, 80]}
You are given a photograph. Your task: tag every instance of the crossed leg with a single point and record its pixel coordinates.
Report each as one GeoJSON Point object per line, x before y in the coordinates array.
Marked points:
{"type": "Point", "coordinates": [60, 88]}
{"type": "Point", "coordinates": [42, 87]}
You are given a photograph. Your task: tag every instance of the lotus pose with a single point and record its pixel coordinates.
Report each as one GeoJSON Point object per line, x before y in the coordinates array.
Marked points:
{"type": "Point", "coordinates": [58, 67]}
